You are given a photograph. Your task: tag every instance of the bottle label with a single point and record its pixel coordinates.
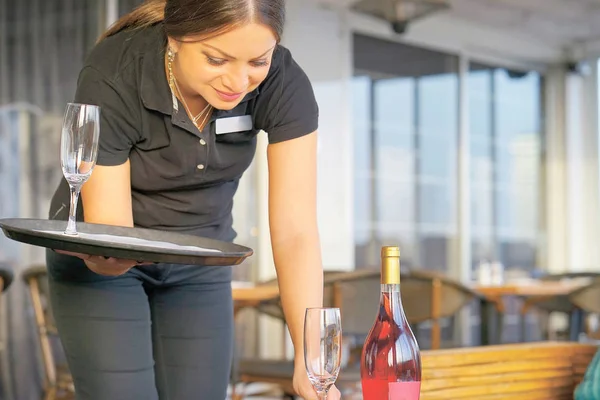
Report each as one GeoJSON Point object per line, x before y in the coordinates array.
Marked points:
{"type": "Point", "coordinates": [404, 390]}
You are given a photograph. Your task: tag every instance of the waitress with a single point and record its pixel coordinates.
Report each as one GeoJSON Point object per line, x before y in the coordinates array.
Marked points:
{"type": "Point", "coordinates": [184, 88]}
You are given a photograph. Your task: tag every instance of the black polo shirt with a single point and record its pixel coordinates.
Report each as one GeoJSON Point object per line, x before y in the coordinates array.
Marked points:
{"type": "Point", "coordinates": [182, 179]}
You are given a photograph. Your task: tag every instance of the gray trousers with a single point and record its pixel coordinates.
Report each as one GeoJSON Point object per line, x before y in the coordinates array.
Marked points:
{"type": "Point", "coordinates": [158, 332]}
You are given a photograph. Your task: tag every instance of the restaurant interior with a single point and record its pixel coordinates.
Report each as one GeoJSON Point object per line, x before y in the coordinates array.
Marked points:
{"type": "Point", "coordinates": [492, 193]}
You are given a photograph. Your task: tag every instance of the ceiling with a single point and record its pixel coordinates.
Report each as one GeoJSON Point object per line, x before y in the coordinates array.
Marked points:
{"type": "Point", "coordinates": [561, 23]}
{"type": "Point", "coordinates": [558, 23]}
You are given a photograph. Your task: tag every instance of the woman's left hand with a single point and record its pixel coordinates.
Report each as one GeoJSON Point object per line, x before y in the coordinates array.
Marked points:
{"type": "Point", "coordinates": [305, 389]}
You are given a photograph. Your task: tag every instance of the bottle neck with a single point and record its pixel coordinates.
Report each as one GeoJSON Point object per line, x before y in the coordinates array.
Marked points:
{"type": "Point", "coordinates": [390, 302]}
{"type": "Point", "coordinates": [390, 287]}
{"type": "Point", "coordinates": [390, 271]}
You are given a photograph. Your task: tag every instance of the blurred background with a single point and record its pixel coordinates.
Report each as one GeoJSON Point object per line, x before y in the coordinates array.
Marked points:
{"type": "Point", "coordinates": [464, 131]}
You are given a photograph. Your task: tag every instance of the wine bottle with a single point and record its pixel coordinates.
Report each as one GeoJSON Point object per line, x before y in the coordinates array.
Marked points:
{"type": "Point", "coordinates": [390, 367]}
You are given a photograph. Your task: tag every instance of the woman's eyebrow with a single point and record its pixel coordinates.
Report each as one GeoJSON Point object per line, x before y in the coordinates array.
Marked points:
{"type": "Point", "coordinates": [232, 57]}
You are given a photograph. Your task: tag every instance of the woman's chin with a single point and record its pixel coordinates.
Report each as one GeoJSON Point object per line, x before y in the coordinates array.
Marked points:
{"type": "Point", "coordinates": [223, 105]}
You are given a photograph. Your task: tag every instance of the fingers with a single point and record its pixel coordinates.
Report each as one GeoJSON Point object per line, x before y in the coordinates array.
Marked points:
{"type": "Point", "coordinates": [106, 266]}
{"type": "Point", "coordinates": [113, 261]}
{"type": "Point", "coordinates": [109, 266]}
{"type": "Point", "coordinates": [98, 259]}
{"type": "Point", "coordinates": [107, 269]}
{"type": "Point", "coordinates": [310, 393]}
{"type": "Point", "coordinates": [141, 263]}
{"type": "Point", "coordinates": [70, 253]}
{"type": "Point", "coordinates": [334, 394]}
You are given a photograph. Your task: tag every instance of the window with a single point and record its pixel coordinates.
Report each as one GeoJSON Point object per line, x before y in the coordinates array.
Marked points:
{"type": "Point", "coordinates": [505, 126]}
{"type": "Point", "coordinates": [406, 108]}
{"type": "Point", "coordinates": [406, 127]}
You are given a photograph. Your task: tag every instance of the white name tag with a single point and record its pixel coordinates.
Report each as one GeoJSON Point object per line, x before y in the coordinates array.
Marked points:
{"type": "Point", "coordinates": [233, 124]}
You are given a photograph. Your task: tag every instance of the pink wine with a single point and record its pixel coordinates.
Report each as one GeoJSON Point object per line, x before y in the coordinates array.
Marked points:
{"type": "Point", "coordinates": [390, 366]}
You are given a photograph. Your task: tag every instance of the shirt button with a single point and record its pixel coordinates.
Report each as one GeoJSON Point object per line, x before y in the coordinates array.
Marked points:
{"type": "Point", "coordinates": [200, 166]}
{"type": "Point", "coordinates": [202, 142]}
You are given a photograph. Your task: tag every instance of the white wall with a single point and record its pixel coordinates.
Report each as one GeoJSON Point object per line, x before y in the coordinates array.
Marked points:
{"type": "Point", "coordinates": [554, 255]}
{"type": "Point", "coordinates": [320, 42]}
{"type": "Point", "coordinates": [582, 172]}
{"type": "Point", "coordinates": [571, 191]}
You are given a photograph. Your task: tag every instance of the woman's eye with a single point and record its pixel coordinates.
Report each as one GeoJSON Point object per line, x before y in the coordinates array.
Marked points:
{"type": "Point", "coordinates": [216, 61]}
{"type": "Point", "coordinates": [260, 63]}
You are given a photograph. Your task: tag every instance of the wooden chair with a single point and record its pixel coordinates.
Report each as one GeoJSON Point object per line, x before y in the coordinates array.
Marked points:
{"type": "Point", "coordinates": [558, 304]}
{"type": "Point", "coordinates": [58, 383]}
{"type": "Point", "coordinates": [425, 297]}
{"type": "Point", "coordinates": [6, 280]}
{"type": "Point", "coordinates": [587, 299]}
{"type": "Point", "coordinates": [439, 297]}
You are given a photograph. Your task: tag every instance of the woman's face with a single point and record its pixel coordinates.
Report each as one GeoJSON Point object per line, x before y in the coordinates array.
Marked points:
{"type": "Point", "coordinates": [224, 68]}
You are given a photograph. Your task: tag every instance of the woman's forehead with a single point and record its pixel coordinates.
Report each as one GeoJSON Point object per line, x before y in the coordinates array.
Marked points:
{"type": "Point", "coordinates": [248, 41]}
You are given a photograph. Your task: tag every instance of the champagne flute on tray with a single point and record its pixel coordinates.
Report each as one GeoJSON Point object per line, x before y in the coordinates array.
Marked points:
{"type": "Point", "coordinates": [78, 152]}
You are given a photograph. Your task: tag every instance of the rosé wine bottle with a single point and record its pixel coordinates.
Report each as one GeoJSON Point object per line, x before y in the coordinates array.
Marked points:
{"type": "Point", "coordinates": [390, 365]}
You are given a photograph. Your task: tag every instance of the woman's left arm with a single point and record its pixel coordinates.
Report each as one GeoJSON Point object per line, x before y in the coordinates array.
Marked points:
{"type": "Point", "coordinates": [295, 239]}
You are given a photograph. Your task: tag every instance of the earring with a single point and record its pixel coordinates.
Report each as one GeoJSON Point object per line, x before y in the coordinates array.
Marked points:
{"type": "Point", "coordinates": [170, 59]}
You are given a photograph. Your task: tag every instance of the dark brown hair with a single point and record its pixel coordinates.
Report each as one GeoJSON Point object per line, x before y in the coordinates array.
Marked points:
{"type": "Point", "coordinates": [202, 17]}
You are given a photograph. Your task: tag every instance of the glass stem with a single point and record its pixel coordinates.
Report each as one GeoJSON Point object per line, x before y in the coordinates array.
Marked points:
{"type": "Point", "coordinates": [71, 225]}
{"type": "Point", "coordinates": [322, 395]}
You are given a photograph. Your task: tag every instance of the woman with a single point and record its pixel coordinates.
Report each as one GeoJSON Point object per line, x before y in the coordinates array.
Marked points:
{"type": "Point", "coordinates": [184, 87]}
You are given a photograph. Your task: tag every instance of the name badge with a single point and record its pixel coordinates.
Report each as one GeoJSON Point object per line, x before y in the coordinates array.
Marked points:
{"type": "Point", "coordinates": [233, 124]}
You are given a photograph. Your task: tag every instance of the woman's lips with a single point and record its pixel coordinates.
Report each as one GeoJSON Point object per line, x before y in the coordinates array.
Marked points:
{"type": "Point", "coordinates": [228, 96]}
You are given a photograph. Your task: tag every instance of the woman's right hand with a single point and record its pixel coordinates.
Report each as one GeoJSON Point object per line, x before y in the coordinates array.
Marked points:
{"type": "Point", "coordinates": [102, 265]}
{"type": "Point", "coordinates": [106, 199]}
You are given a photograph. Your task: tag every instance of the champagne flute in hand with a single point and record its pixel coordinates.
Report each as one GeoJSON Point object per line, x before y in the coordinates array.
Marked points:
{"type": "Point", "coordinates": [322, 347]}
{"type": "Point", "coordinates": [78, 151]}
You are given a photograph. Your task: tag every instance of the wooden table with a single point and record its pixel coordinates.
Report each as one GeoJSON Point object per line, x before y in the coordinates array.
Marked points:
{"type": "Point", "coordinates": [531, 288]}
{"type": "Point", "coordinates": [245, 294]}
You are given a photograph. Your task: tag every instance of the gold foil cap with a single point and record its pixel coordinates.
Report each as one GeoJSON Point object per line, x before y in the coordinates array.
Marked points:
{"type": "Point", "coordinates": [390, 251]}
{"type": "Point", "coordinates": [390, 265]}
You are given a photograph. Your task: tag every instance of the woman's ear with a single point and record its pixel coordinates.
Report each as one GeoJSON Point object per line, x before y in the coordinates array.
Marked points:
{"type": "Point", "coordinates": [173, 45]}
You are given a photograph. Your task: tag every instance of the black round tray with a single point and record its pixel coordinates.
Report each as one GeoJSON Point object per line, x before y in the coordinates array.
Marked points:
{"type": "Point", "coordinates": [144, 245]}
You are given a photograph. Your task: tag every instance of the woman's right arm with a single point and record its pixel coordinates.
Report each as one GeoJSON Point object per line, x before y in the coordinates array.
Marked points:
{"type": "Point", "coordinates": [106, 196]}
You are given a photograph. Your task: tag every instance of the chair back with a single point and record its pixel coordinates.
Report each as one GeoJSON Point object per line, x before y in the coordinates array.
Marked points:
{"type": "Point", "coordinates": [425, 297]}
{"type": "Point", "coordinates": [6, 278]}
{"type": "Point", "coordinates": [561, 303]}
{"type": "Point", "coordinates": [570, 275]}
{"type": "Point", "coordinates": [273, 307]}
{"type": "Point", "coordinates": [429, 295]}
{"type": "Point", "coordinates": [587, 298]}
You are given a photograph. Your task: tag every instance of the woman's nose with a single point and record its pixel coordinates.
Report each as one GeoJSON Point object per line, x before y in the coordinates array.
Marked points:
{"type": "Point", "coordinates": [236, 82]}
